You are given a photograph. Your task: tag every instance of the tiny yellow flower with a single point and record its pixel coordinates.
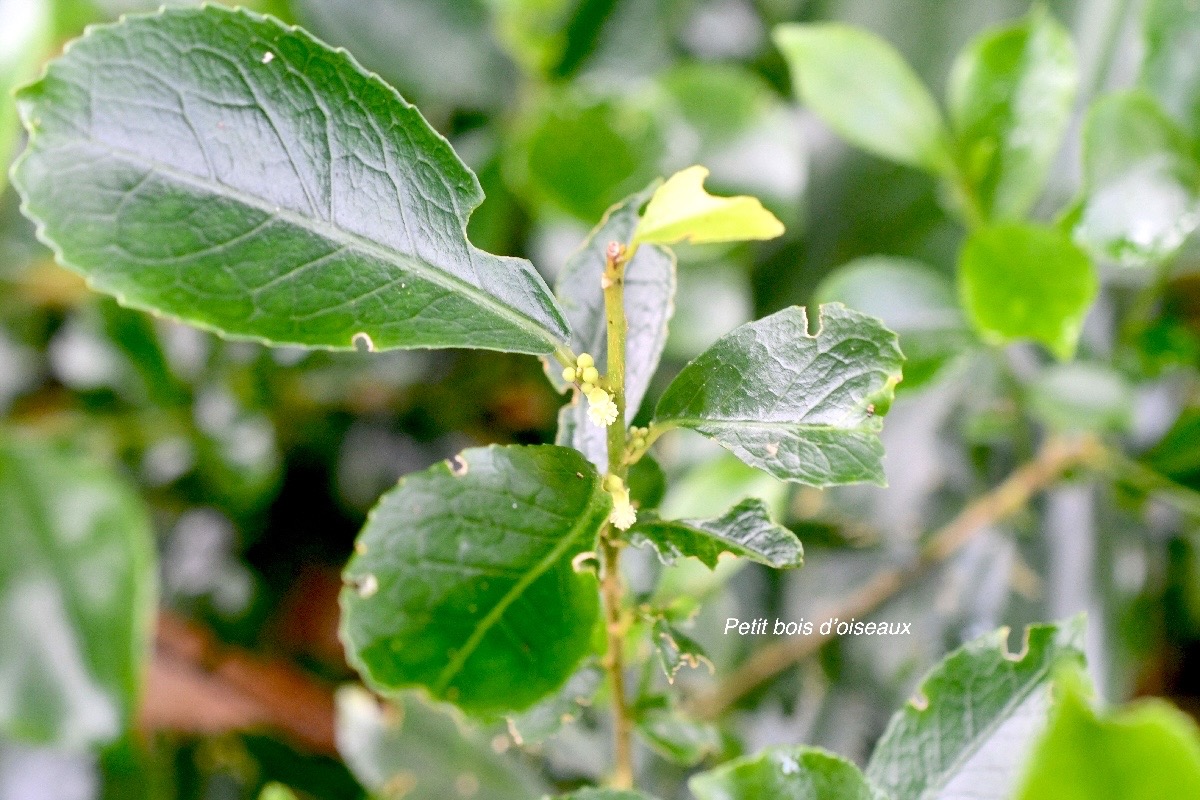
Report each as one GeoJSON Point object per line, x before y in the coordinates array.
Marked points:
{"type": "Point", "coordinates": [568, 374]}
{"type": "Point", "coordinates": [584, 360]}
{"type": "Point", "coordinates": [601, 409]}
{"type": "Point", "coordinates": [589, 375]}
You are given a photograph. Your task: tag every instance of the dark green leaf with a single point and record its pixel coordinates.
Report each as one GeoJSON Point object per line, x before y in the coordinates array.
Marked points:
{"type": "Point", "coordinates": [534, 725]}
{"type": "Point", "coordinates": [243, 177]}
{"type": "Point", "coordinates": [1142, 184]}
{"type": "Point", "coordinates": [968, 729]}
{"type": "Point", "coordinates": [684, 741]}
{"type": "Point", "coordinates": [745, 530]}
{"type": "Point", "coordinates": [791, 773]}
{"type": "Point", "coordinates": [1022, 281]}
{"type": "Point", "coordinates": [413, 750]}
{"type": "Point", "coordinates": [440, 53]}
{"type": "Point", "coordinates": [676, 650]}
{"type": "Point", "coordinates": [909, 298]}
{"type": "Point", "coordinates": [802, 407]}
{"type": "Point", "coordinates": [649, 303]}
{"type": "Point", "coordinates": [860, 86]}
{"type": "Point", "coordinates": [1171, 70]}
{"type": "Point", "coordinates": [78, 592]}
{"type": "Point", "coordinates": [647, 483]}
{"type": "Point", "coordinates": [1011, 93]}
{"type": "Point", "coordinates": [25, 40]}
{"type": "Point", "coordinates": [463, 582]}
{"type": "Point", "coordinates": [580, 156]}
{"type": "Point", "coordinates": [1146, 751]}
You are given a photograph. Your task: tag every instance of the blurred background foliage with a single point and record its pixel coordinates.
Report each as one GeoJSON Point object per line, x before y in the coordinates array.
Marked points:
{"type": "Point", "coordinates": [257, 467]}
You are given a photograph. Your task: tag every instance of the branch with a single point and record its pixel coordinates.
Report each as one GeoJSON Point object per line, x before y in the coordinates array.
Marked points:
{"type": "Point", "coordinates": [1056, 457]}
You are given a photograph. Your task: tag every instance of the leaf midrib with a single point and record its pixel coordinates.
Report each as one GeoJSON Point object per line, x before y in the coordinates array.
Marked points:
{"type": "Point", "coordinates": [489, 620]}
{"type": "Point", "coordinates": [341, 236]}
{"type": "Point", "coordinates": [693, 422]}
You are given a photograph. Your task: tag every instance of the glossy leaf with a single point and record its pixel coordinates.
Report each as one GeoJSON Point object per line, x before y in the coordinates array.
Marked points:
{"type": "Point", "coordinates": [442, 54]}
{"type": "Point", "coordinates": [534, 725]}
{"type": "Point", "coordinates": [803, 407]}
{"type": "Point", "coordinates": [969, 728]}
{"type": "Point", "coordinates": [241, 176]}
{"type": "Point", "coordinates": [1170, 69]}
{"type": "Point", "coordinates": [414, 750]}
{"type": "Point", "coordinates": [1022, 281]}
{"type": "Point", "coordinates": [676, 650]}
{"type": "Point", "coordinates": [24, 38]}
{"type": "Point", "coordinates": [77, 585]}
{"type": "Point", "coordinates": [1142, 182]}
{"type": "Point", "coordinates": [860, 86]}
{"type": "Point", "coordinates": [682, 740]}
{"type": "Point", "coordinates": [911, 299]}
{"type": "Point", "coordinates": [682, 211]}
{"type": "Point", "coordinates": [462, 579]}
{"type": "Point", "coordinates": [794, 773]}
{"type": "Point", "coordinates": [1145, 751]}
{"type": "Point", "coordinates": [745, 530]}
{"type": "Point", "coordinates": [1011, 93]}
{"type": "Point", "coordinates": [649, 303]}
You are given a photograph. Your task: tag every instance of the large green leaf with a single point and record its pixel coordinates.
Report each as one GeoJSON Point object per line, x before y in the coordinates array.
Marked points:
{"type": "Point", "coordinates": [649, 303]}
{"type": "Point", "coordinates": [221, 168]}
{"type": "Point", "coordinates": [1142, 182]}
{"type": "Point", "coordinates": [77, 584]}
{"type": "Point", "coordinates": [413, 750]}
{"type": "Point", "coordinates": [745, 530]}
{"type": "Point", "coordinates": [1147, 751]}
{"type": "Point", "coordinates": [969, 728]}
{"type": "Point", "coordinates": [1011, 92]}
{"type": "Point", "coordinates": [1023, 281]}
{"type": "Point", "coordinates": [1171, 70]}
{"type": "Point", "coordinates": [462, 579]}
{"type": "Point", "coordinates": [24, 38]}
{"type": "Point", "coordinates": [862, 87]}
{"type": "Point", "coordinates": [804, 407]}
{"type": "Point", "coordinates": [909, 298]}
{"type": "Point", "coordinates": [785, 773]}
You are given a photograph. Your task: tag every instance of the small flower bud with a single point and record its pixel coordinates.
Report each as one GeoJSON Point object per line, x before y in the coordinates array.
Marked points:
{"type": "Point", "coordinates": [584, 361]}
{"type": "Point", "coordinates": [569, 374]}
{"type": "Point", "coordinates": [589, 375]}
{"type": "Point", "coordinates": [613, 483]}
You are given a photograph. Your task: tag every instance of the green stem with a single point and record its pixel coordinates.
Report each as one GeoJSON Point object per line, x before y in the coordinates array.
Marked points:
{"type": "Point", "coordinates": [610, 545]}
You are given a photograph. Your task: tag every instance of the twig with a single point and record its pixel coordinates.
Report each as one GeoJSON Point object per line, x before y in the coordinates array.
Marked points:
{"type": "Point", "coordinates": [1056, 457]}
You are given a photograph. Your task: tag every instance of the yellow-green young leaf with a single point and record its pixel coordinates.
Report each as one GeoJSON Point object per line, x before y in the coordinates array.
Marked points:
{"type": "Point", "coordinates": [1149, 751]}
{"type": "Point", "coordinates": [276, 791]}
{"type": "Point", "coordinates": [682, 211]}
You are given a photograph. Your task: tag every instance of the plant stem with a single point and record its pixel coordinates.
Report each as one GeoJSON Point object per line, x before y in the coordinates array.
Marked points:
{"type": "Point", "coordinates": [1056, 457]}
{"type": "Point", "coordinates": [611, 590]}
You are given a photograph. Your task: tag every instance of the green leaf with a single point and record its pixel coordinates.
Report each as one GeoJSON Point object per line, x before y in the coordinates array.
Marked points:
{"type": "Point", "coordinates": [604, 794]}
{"type": "Point", "coordinates": [682, 740]}
{"type": "Point", "coordinates": [439, 53]}
{"type": "Point", "coordinates": [1145, 751]}
{"type": "Point", "coordinates": [1082, 397]}
{"type": "Point", "coordinates": [649, 303]}
{"type": "Point", "coordinates": [1142, 185]}
{"type": "Point", "coordinates": [413, 750]}
{"type": "Point", "coordinates": [1023, 281]}
{"type": "Point", "coordinates": [788, 772]}
{"type": "Point", "coordinates": [647, 483]}
{"type": "Point", "coordinates": [1011, 93]}
{"type": "Point", "coordinates": [218, 167]}
{"type": "Point", "coordinates": [682, 211]}
{"type": "Point", "coordinates": [745, 530]}
{"type": "Point", "coordinates": [802, 407]}
{"type": "Point", "coordinates": [676, 650]}
{"type": "Point", "coordinates": [462, 579]}
{"type": "Point", "coordinates": [25, 40]}
{"type": "Point", "coordinates": [909, 298]}
{"type": "Point", "coordinates": [534, 725]}
{"type": "Point", "coordinates": [580, 155]}
{"type": "Point", "coordinates": [77, 585]}
{"type": "Point", "coordinates": [718, 100]}
{"type": "Point", "coordinates": [276, 791]}
{"type": "Point", "coordinates": [1170, 69]}
{"type": "Point", "coordinates": [968, 729]}
{"type": "Point", "coordinates": [860, 86]}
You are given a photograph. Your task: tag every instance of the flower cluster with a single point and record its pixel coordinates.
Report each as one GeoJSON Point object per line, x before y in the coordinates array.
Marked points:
{"type": "Point", "coordinates": [623, 513]}
{"type": "Point", "coordinates": [602, 409]}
